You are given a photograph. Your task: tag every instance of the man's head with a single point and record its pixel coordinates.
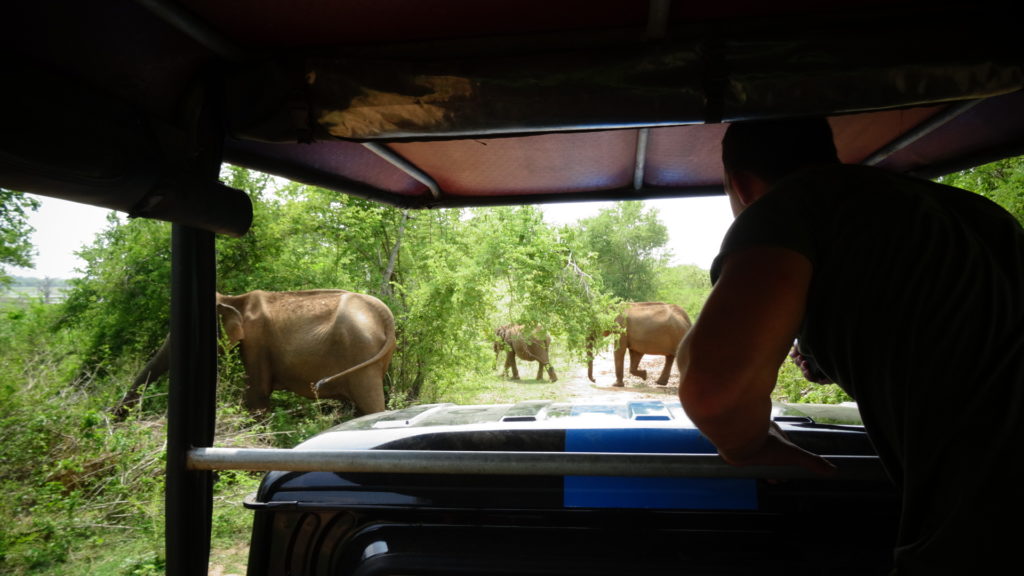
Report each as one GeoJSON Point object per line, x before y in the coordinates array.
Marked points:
{"type": "Point", "coordinates": [758, 154]}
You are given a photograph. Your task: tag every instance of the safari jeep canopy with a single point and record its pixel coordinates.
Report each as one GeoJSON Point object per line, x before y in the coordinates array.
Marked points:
{"type": "Point", "coordinates": [133, 105]}
{"type": "Point", "coordinates": [456, 103]}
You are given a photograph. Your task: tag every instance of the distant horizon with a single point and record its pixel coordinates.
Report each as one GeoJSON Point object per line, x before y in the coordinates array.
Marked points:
{"type": "Point", "coordinates": [16, 277]}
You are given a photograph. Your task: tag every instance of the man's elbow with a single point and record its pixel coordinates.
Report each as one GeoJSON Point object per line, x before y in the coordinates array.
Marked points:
{"type": "Point", "coordinates": [711, 384]}
{"type": "Point", "coordinates": [697, 389]}
{"type": "Point", "coordinates": [704, 397]}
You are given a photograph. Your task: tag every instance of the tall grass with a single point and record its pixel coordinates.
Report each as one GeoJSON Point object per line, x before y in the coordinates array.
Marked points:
{"type": "Point", "coordinates": [81, 493]}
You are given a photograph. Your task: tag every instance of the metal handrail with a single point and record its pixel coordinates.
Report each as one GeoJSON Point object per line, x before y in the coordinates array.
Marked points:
{"type": "Point", "coordinates": [514, 463]}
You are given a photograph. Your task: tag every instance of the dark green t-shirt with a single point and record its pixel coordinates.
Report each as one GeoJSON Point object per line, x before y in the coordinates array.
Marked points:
{"type": "Point", "coordinates": [916, 308]}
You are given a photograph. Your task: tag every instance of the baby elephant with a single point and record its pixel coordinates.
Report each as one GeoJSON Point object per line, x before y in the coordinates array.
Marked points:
{"type": "Point", "coordinates": [530, 347]}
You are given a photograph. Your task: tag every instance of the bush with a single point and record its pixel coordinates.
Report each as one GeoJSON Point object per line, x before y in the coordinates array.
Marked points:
{"type": "Point", "coordinates": [792, 387]}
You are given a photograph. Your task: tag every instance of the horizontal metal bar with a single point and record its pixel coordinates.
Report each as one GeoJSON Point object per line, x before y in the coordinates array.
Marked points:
{"type": "Point", "coordinates": [513, 463]}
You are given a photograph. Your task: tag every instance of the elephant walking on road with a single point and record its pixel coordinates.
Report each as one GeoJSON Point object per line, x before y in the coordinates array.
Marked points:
{"type": "Point", "coordinates": [532, 347]}
{"type": "Point", "coordinates": [648, 328]}
{"type": "Point", "coordinates": [315, 343]}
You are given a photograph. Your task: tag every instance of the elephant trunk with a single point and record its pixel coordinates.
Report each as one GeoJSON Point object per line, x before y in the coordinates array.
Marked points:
{"type": "Point", "coordinates": [155, 368]}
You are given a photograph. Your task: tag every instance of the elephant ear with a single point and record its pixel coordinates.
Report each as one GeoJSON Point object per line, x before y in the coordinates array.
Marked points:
{"type": "Point", "coordinates": [232, 320]}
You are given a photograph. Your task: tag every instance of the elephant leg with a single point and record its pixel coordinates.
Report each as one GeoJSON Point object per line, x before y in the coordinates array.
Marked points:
{"type": "Point", "coordinates": [505, 367]}
{"type": "Point", "coordinates": [666, 371]}
{"type": "Point", "coordinates": [255, 400]}
{"type": "Point", "coordinates": [366, 391]}
{"type": "Point", "coordinates": [634, 364]}
{"type": "Point", "coordinates": [510, 362]}
{"type": "Point", "coordinates": [363, 387]}
{"type": "Point", "coordinates": [540, 370]}
{"type": "Point", "coordinates": [551, 373]}
{"type": "Point", "coordinates": [258, 385]}
{"type": "Point", "coordinates": [620, 357]}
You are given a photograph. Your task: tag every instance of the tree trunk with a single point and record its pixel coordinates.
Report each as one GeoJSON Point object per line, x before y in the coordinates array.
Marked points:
{"type": "Point", "coordinates": [385, 288]}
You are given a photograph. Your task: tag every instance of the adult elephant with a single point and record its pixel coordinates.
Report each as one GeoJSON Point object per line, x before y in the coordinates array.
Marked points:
{"type": "Point", "coordinates": [315, 343]}
{"type": "Point", "coordinates": [532, 347]}
{"type": "Point", "coordinates": [647, 328]}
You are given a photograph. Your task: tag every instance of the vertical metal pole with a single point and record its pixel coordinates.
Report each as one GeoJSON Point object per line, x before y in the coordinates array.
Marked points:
{"type": "Point", "coordinates": [191, 400]}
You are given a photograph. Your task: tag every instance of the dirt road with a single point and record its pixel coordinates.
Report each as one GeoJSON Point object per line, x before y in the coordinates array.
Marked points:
{"type": "Point", "coordinates": [635, 389]}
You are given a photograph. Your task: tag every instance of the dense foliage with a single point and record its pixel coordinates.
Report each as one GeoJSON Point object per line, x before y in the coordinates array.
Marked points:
{"type": "Point", "coordinates": [1002, 182]}
{"type": "Point", "coordinates": [629, 244]}
{"type": "Point", "coordinates": [15, 247]}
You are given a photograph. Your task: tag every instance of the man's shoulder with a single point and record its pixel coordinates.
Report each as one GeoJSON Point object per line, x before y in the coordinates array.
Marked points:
{"type": "Point", "coordinates": [852, 184]}
{"type": "Point", "coordinates": [851, 175]}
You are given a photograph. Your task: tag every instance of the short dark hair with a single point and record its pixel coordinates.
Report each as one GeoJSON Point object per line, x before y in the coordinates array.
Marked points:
{"type": "Point", "coordinates": [773, 149]}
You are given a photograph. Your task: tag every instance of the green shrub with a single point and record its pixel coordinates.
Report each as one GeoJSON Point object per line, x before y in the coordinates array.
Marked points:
{"type": "Point", "coordinates": [792, 387]}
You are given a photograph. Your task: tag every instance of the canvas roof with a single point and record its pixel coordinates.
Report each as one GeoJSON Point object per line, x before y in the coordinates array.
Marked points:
{"type": "Point", "coordinates": [445, 103]}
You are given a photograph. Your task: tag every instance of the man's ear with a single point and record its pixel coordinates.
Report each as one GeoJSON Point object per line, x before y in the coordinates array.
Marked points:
{"type": "Point", "coordinates": [746, 186]}
{"type": "Point", "coordinates": [742, 184]}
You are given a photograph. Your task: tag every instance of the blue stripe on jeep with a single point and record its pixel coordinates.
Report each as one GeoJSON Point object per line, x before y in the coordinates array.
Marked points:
{"type": "Point", "coordinates": [644, 492]}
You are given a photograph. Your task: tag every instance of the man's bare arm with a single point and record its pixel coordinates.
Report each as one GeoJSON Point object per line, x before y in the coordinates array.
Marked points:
{"type": "Point", "coordinates": [730, 359]}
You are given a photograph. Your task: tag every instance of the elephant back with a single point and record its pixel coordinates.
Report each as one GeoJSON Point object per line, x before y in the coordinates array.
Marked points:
{"type": "Point", "coordinates": [529, 345]}
{"type": "Point", "coordinates": [660, 313]}
{"type": "Point", "coordinates": [655, 326]}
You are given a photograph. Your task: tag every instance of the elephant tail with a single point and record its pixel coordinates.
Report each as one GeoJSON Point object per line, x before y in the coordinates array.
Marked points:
{"type": "Point", "coordinates": [385, 351]}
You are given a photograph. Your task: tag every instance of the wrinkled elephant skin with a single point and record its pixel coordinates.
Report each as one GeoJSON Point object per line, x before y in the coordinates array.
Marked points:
{"type": "Point", "coordinates": [532, 347]}
{"type": "Point", "coordinates": [315, 343]}
{"type": "Point", "coordinates": [649, 328]}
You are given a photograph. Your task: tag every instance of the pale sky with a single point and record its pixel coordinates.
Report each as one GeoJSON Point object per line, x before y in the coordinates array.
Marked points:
{"type": "Point", "coordinates": [62, 228]}
{"type": "Point", "coordinates": [695, 225]}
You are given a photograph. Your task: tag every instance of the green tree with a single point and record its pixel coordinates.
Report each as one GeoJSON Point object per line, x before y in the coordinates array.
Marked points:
{"type": "Point", "coordinates": [441, 299]}
{"type": "Point", "coordinates": [520, 254]}
{"type": "Point", "coordinates": [244, 263]}
{"type": "Point", "coordinates": [334, 240]}
{"type": "Point", "coordinates": [687, 286]}
{"type": "Point", "coordinates": [629, 244]}
{"type": "Point", "coordinates": [1002, 182]}
{"type": "Point", "coordinates": [15, 243]}
{"type": "Point", "coordinates": [121, 303]}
